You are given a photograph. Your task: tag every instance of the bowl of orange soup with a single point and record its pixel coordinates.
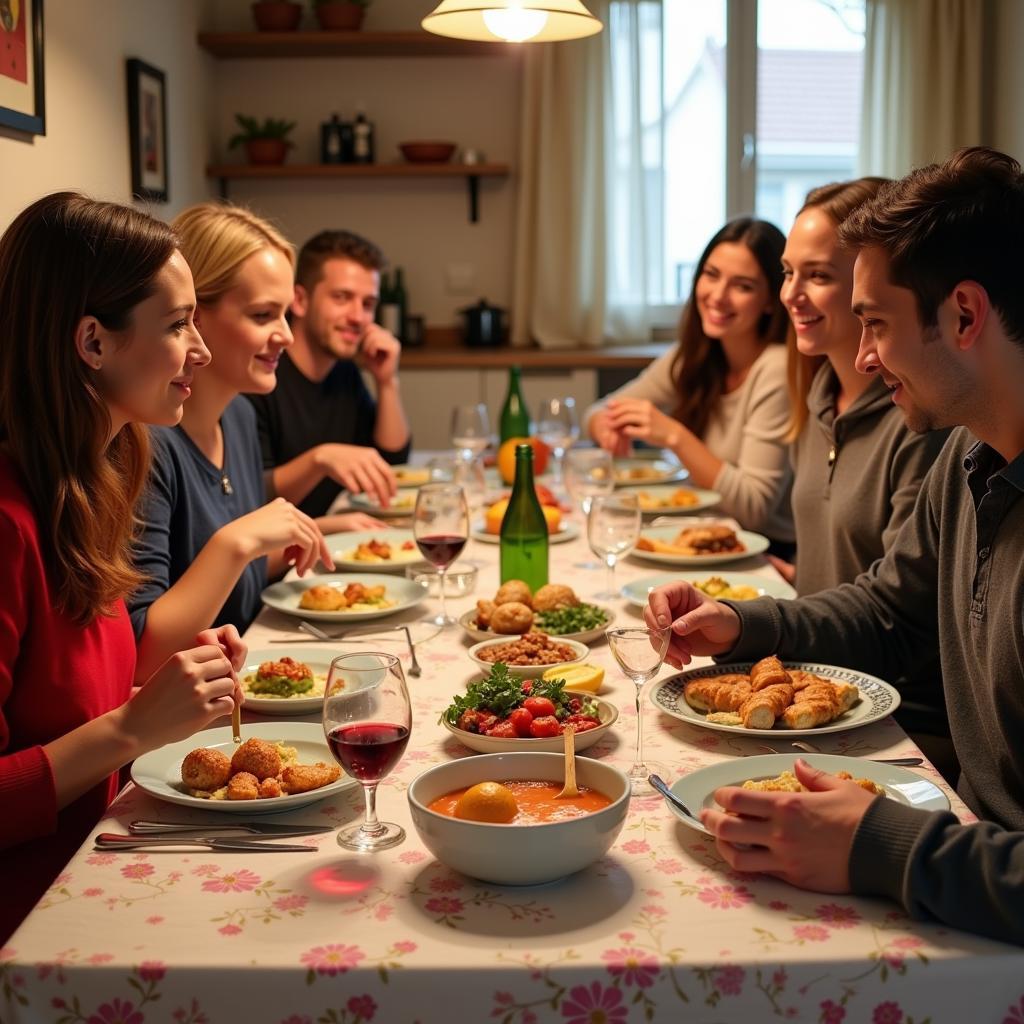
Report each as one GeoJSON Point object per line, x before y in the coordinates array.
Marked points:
{"type": "Point", "coordinates": [474, 828]}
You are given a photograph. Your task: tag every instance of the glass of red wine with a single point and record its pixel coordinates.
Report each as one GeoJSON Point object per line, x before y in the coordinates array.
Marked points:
{"type": "Point", "coordinates": [367, 719]}
{"type": "Point", "coordinates": [440, 525]}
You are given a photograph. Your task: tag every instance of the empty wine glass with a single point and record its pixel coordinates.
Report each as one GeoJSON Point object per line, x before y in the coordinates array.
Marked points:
{"type": "Point", "coordinates": [640, 653]}
{"type": "Point", "coordinates": [367, 718]}
{"type": "Point", "coordinates": [557, 425]}
{"type": "Point", "coordinates": [613, 528]}
{"type": "Point", "coordinates": [464, 469]}
{"type": "Point", "coordinates": [471, 431]}
{"type": "Point", "coordinates": [588, 472]}
{"type": "Point", "coordinates": [440, 526]}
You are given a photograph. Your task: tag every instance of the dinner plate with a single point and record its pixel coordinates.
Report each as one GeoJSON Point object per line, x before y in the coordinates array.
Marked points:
{"type": "Point", "coordinates": [159, 772]}
{"type": "Point", "coordinates": [317, 658]}
{"type": "Point", "coordinates": [284, 596]}
{"type": "Point", "coordinates": [754, 543]}
{"type": "Point", "coordinates": [636, 592]}
{"type": "Point", "coordinates": [565, 532]}
{"type": "Point", "coordinates": [877, 699]}
{"type": "Point", "coordinates": [697, 789]}
{"type": "Point", "coordinates": [607, 712]}
{"type": "Point", "coordinates": [654, 471]}
{"type": "Point", "coordinates": [705, 499]}
{"type": "Point", "coordinates": [342, 547]}
{"type": "Point", "coordinates": [411, 476]}
{"type": "Point", "coordinates": [468, 619]}
{"type": "Point", "coordinates": [402, 504]}
{"type": "Point", "coordinates": [580, 651]}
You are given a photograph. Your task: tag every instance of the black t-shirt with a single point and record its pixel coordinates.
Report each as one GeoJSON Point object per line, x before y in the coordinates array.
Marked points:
{"type": "Point", "coordinates": [300, 413]}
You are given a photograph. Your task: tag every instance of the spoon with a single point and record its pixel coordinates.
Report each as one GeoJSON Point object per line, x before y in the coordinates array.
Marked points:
{"type": "Point", "coordinates": [570, 789]}
{"type": "Point", "coordinates": [659, 784]}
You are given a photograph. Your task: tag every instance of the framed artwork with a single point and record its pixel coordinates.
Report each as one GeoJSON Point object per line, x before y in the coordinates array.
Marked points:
{"type": "Point", "coordinates": [147, 130]}
{"type": "Point", "coordinates": [22, 86]}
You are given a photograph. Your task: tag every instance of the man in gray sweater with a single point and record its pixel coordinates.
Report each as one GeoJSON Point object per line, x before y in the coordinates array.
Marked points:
{"type": "Point", "coordinates": [937, 288]}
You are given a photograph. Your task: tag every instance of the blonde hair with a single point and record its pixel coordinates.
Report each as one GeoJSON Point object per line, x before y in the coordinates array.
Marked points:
{"type": "Point", "coordinates": [217, 238]}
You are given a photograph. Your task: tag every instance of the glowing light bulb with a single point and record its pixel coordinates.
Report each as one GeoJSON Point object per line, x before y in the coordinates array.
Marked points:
{"type": "Point", "coordinates": [514, 24]}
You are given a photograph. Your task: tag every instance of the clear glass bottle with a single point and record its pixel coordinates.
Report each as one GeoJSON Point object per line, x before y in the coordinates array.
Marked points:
{"type": "Point", "coordinates": [524, 530]}
{"type": "Point", "coordinates": [515, 418]}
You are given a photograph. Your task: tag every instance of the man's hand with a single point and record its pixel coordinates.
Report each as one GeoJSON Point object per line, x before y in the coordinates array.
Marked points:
{"type": "Point", "coordinates": [700, 624]}
{"type": "Point", "coordinates": [358, 469]}
{"type": "Point", "coordinates": [802, 838]}
{"type": "Point", "coordinates": [379, 353]}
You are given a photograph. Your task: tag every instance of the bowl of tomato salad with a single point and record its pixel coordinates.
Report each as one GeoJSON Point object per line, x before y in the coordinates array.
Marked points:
{"type": "Point", "coordinates": [503, 712]}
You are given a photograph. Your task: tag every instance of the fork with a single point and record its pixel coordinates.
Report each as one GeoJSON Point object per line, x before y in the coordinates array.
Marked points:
{"type": "Point", "coordinates": [807, 748]}
{"type": "Point", "coordinates": [414, 665]}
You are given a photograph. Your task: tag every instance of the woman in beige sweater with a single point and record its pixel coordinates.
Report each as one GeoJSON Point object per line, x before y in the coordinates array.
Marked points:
{"type": "Point", "coordinates": [718, 399]}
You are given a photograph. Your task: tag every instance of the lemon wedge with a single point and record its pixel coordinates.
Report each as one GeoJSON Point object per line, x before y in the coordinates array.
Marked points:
{"type": "Point", "coordinates": [586, 678]}
{"type": "Point", "coordinates": [487, 801]}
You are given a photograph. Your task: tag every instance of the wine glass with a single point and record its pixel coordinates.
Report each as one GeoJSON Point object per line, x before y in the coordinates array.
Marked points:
{"type": "Point", "coordinates": [613, 528]}
{"type": "Point", "coordinates": [588, 472]}
{"type": "Point", "coordinates": [367, 718]}
{"type": "Point", "coordinates": [471, 431]}
{"type": "Point", "coordinates": [464, 469]}
{"type": "Point", "coordinates": [558, 426]}
{"type": "Point", "coordinates": [440, 526]}
{"type": "Point", "coordinates": [640, 653]}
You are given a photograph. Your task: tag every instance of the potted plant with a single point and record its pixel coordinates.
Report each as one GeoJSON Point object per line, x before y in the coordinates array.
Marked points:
{"type": "Point", "coordinates": [266, 142]}
{"type": "Point", "coordinates": [340, 15]}
{"type": "Point", "coordinates": [277, 15]}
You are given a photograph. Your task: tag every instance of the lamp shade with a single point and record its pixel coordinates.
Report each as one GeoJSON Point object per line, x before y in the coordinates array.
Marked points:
{"type": "Point", "coordinates": [518, 21]}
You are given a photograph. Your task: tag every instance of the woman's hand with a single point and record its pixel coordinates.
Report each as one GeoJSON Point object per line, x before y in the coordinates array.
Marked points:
{"type": "Point", "coordinates": [609, 439]}
{"type": "Point", "coordinates": [345, 522]}
{"type": "Point", "coordinates": [638, 418]}
{"type": "Point", "coordinates": [276, 526]}
{"type": "Point", "coordinates": [228, 640]}
{"type": "Point", "coordinates": [700, 624]}
{"type": "Point", "coordinates": [787, 570]}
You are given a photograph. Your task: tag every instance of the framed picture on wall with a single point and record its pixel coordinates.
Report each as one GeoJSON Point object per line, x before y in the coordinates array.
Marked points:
{"type": "Point", "coordinates": [147, 130]}
{"type": "Point", "coordinates": [22, 86]}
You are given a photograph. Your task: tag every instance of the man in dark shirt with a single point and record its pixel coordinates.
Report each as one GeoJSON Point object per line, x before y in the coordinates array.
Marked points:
{"type": "Point", "coordinates": [320, 429]}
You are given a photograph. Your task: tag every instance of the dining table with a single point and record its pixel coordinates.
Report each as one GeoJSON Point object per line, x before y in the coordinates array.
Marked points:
{"type": "Point", "coordinates": [660, 928]}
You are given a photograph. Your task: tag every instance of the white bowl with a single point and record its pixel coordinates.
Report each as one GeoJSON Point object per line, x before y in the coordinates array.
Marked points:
{"type": "Point", "coordinates": [527, 671]}
{"type": "Point", "coordinates": [518, 854]}
{"type": "Point", "coordinates": [458, 581]}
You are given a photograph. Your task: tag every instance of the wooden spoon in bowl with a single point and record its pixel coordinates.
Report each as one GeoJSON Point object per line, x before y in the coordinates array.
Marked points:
{"type": "Point", "coordinates": [570, 789]}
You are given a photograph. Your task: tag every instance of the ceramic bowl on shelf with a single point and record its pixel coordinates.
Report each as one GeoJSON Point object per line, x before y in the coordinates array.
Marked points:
{"type": "Point", "coordinates": [422, 152]}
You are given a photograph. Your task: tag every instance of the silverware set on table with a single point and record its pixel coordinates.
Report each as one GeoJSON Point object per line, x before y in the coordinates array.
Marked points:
{"type": "Point", "coordinates": [355, 636]}
{"type": "Point", "coordinates": [210, 836]}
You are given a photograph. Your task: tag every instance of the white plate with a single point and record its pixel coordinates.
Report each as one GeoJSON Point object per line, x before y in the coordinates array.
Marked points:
{"type": "Point", "coordinates": [608, 713]}
{"type": "Point", "coordinates": [402, 504]}
{"type": "Point", "coordinates": [317, 658]}
{"type": "Point", "coordinates": [705, 499]}
{"type": "Point", "coordinates": [662, 472]}
{"type": "Point", "coordinates": [284, 596]}
{"type": "Point", "coordinates": [159, 771]}
{"type": "Point", "coordinates": [637, 591]}
{"type": "Point", "coordinates": [565, 532]}
{"type": "Point", "coordinates": [468, 622]}
{"type": "Point", "coordinates": [696, 790]}
{"type": "Point", "coordinates": [877, 699]}
{"type": "Point", "coordinates": [526, 671]}
{"type": "Point", "coordinates": [754, 543]}
{"type": "Point", "coordinates": [342, 547]}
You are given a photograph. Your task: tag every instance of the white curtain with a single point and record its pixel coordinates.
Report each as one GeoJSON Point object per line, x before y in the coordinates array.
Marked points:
{"type": "Point", "coordinates": [923, 78]}
{"type": "Point", "coordinates": [582, 183]}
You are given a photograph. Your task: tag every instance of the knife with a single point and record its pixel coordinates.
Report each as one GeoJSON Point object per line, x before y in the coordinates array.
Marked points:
{"type": "Point", "coordinates": [156, 828]}
{"type": "Point", "coordinates": [114, 841]}
{"type": "Point", "coordinates": [658, 783]}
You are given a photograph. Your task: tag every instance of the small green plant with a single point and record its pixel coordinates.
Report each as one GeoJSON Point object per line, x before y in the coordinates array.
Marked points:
{"type": "Point", "coordinates": [252, 128]}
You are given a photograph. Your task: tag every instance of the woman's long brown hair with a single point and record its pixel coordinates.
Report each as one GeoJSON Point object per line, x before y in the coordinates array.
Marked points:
{"type": "Point", "coordinates": [700, 367]}
{"type": "Point", "coordinates": [62, 258]}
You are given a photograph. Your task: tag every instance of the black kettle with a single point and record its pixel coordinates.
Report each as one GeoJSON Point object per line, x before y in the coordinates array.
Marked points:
{"type": "Point", "coordinates": [483, 325]}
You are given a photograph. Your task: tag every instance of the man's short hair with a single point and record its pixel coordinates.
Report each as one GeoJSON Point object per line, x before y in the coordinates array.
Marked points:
{"type": "Point", "coordinates": [331, 245]}
{"type": "Point", "coordinates": [962, 220]}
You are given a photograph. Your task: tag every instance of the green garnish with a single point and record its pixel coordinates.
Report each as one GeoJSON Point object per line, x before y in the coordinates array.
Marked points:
{"type": "Point", "coordinates": [576, 619]}
{"type": "Point", "coordinates": [279, 686]}
{"type": "Point", "coordinates": [501, 693]}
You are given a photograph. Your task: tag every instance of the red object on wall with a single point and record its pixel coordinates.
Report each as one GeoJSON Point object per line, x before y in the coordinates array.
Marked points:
{"type": "Point", "coordinates": [13, 46]}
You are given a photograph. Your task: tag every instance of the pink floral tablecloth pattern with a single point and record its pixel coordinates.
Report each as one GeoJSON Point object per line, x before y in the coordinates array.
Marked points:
{"type": "Point", "coordinates": [660, 929]}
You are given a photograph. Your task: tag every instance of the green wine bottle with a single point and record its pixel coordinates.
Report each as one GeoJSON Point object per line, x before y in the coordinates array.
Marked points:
{"type": "Point", "coordinates": [515, 420]}
{"type": "Point", "coordinates": [524, 530]}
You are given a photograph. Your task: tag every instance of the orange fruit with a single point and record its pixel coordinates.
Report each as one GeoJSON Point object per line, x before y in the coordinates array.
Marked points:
{"type": "Point", "coordinates": [506, 461]}
{"type": "Point", "coordinates": [494, 515]}
{"type": "Point", "coordinates": [487, 801]}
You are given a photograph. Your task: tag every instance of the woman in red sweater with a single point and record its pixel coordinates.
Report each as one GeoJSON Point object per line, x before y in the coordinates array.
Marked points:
{"type": "Point", "coordinates": [96, 338]}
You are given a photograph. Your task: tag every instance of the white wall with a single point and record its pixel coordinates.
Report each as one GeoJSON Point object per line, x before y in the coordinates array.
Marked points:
{"type": "Point", "coordinates": [1007, 100]}
{"type": "Point", "coordinates": [86, 142]}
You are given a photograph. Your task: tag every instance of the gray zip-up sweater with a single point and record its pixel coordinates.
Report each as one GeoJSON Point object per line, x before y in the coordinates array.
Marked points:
{"type": "Point", "coordinates": [952, 580]}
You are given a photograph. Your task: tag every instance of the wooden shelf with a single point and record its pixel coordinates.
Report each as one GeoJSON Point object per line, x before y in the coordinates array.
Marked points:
{"type": "Point", "coordinates": [471, 172]}
{"type": "Point", "coordinates": [244, 45]}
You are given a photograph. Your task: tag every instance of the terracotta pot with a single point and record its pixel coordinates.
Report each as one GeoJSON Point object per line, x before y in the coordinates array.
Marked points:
{"type": "Point", "coordinates": [277, 15]}
{"type": "Point", "coordinates": [267, 151]}
{"type": "Point", "coordinates": [340, 16]}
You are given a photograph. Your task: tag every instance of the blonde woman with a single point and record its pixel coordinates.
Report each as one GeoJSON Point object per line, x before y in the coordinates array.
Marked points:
{"type": "Point", "coordinates": [211, 540]}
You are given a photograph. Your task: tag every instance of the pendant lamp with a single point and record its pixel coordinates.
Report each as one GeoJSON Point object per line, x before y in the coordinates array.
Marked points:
{"type": "Point", "coordinates": [512, 21]}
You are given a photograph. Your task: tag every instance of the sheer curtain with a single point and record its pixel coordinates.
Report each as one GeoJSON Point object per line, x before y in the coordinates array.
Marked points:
{"type": "Point", "coordinates": [583, 181]}
{"type": "Point", "coordinates": [923, 81]}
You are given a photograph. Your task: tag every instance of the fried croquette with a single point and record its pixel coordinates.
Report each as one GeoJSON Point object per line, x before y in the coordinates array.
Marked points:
{"type": "Point", "coordinates": [270, 788]}
{"type": "Point", "coordinates": [205, 769]}
{"type": "Point", "coordinates": [300, 778]}
{"type": "Point", "coordinates": [512, 617]}
{"type": "Point", "coordinates": [323, 598]}
{"type": "Point", "coordinates": [484, 611]}
{"type": "Point", "coordinates": [514, 590]}
{"type": "Point", "coordinates": [257, 757]}
{"type": "Point", "coordinates": [554, 595]}
{"type": "Point", "coordinates": [243, 786]}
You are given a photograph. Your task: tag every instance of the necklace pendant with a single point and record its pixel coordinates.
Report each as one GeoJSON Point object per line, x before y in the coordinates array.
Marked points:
{"type": "Point", "coordinates": [225, 484]}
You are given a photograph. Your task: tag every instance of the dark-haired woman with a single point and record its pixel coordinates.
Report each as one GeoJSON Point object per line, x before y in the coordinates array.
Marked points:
{"type": "Point", "coordinates": [96, 338]}
{"type": "Point", "coordinates": [718, 399]}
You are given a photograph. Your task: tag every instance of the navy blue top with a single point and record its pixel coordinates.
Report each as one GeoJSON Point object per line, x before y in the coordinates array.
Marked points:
{"type": "Point", "coordinates": [187, 501]}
